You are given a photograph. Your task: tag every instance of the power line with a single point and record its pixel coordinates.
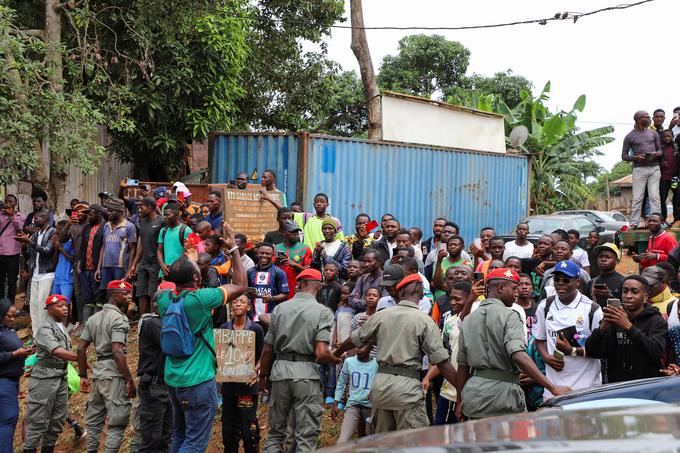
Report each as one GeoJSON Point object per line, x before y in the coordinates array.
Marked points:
{"type": "Point", "coordinates": [574, 16]}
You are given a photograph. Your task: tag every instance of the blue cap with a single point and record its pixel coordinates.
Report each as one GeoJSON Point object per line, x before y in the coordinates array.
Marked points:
{"type": "Point", "coordinates": [160, 191]}
{"type": "Point", "coordinates": [568, 268]}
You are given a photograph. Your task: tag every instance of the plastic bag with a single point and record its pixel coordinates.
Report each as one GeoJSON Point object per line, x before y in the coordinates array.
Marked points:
{"type": "Point", "coordinates": [73, 379]}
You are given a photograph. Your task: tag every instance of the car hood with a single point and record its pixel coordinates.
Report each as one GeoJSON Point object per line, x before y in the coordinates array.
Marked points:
{"type": "Point", "coordinates": [648, 429]}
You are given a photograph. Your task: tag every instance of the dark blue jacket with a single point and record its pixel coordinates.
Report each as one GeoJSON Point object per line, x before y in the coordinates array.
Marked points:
{"type": "Point", "coordinates": [10, 368]}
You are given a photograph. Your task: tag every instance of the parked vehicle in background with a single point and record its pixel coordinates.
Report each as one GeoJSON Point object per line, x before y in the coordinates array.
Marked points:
{"type": "Point", "coordinates": [546, 224]}
{"type": "Point", "coordinates": [601, 218]}
{"type": "Point", "coordinates": [616, 215]}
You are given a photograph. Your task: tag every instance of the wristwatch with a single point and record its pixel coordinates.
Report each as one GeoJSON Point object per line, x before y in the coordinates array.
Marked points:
{"type": "Point", "coordinates": [573, 352]}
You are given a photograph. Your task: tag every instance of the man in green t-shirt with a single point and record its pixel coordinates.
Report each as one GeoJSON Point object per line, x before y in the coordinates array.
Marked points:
{"type": "Point", "coordinates": [170, 245]}
{"type": "Point", "coordinates": [451, 257]}
{"type": "Point", "coordinates": [193, 379]}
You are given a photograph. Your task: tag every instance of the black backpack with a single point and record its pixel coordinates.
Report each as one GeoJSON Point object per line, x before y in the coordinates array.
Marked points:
{"type": "Point", "coordinates": [182, 230]}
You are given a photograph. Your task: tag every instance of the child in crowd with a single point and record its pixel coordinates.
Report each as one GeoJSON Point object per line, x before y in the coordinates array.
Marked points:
{"type": "Point", "coordinates": [372, 297]}
{"type": "Point", "coordinates": [341, 327]}
{"type": "Point", "coordinates": [446, 401]}
{"type": "Point", "coordinates": [239, 401]}
{"type": "Point", "coordinates": [329, 295]}
{"type": "Point", "coordinates": [217, 258]}
{"type": "Point", "coordinates": [353, 271]}
{"type": "Point", "coordinates": [359, 372]}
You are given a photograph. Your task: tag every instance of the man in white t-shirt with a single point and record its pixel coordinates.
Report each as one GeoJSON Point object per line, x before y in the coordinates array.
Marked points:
{"type": "Point", "coordinates": [568, 308]}
{"type": "Point", "coordinates": [520, 247]}
{"type": "Point", "coordinates": [577, 253]}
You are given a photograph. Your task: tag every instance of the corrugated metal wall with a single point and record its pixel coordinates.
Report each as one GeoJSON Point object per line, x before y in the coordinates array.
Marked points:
{"type": "Point", "coordinates": [234, 153]}
{"type": "Point", "coordinates": [418, 184]}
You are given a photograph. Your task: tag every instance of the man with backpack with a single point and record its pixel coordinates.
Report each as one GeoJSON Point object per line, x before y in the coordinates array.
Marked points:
{"type": "Point", "coordinates": [574, 317]}
{"type": "Point", "coordinates": [112, 385]}
{"type": "Point", "coordinates": [171, 238]}
{"type": "Point", "coordinates": [188, 344]}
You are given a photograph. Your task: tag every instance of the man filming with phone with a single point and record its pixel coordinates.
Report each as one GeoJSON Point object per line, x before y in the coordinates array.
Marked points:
{"type": "Point", "coordinates": [292, 256]}
{"type": "Point", "coordinates": [608, 283]}
{"type": "Point", "coordinates": [632, 337]}
{"type": "Point", "coordinates": [569, 316]}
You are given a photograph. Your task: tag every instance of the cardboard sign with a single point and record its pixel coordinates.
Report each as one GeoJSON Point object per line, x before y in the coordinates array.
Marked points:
{"type": "Point", "coordinates": [248, 214]}
{"type": "Point", "coordinates": [235, 351]}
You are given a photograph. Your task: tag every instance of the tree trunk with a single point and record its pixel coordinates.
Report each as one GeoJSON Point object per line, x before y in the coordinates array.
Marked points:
{"type": "Point", "coordinates": [360, 48]}
{"type": "Point", "coordinates": [58, 175]}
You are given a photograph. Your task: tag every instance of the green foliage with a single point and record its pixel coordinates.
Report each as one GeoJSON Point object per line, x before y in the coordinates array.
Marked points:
{"type": "Point", "coordinates": [34, 113]}
{"type": "Point", "coordinates": [425, 64]}
{"type": "Point", "coordinates": [598, 187]}
{"type": "Point", "coordinates": [287, 86]}
{"type": "Point", "coordinates": [561, 155]}
{"type": "Point", "coordinates": [503, 85]}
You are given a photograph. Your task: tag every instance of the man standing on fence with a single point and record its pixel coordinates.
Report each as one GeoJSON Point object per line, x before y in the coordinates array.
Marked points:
{"type": "Point", "coordinates": [642, 147]}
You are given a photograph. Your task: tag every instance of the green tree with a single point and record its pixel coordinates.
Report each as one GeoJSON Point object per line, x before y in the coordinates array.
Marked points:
{"type": "Point", "coordinates": [37, 114]}
{"type": "Point", "coordinates": [561, 155]}
{"type": "Point", "coordinates": [425, 64]}
{"type": "Point", "coordinates": [619, 170]}
{"type": "Point", "coordinates": [505, 85]}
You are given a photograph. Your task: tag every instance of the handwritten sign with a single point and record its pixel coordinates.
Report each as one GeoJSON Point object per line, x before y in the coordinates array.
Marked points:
{"type": "Point", "coordinates": [235, 351]}
{"type": "Point", "coordinates": [248, 214]}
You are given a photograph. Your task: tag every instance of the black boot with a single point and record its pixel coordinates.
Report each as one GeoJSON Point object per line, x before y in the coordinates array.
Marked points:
{"type": "Point", "coordinates": [47, 449]}
{"type": "Point", "coordinates": [29, 450]}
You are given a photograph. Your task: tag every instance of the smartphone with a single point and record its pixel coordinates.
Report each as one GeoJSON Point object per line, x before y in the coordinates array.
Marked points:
{"type": "Point", "coordinates": [132, 182]}
{"type": "Point", "coordinates": [442, 246]}
{"type": "Point", "coordinates": [559, 355]}
{"type": "Point", "coordinates": [571, 335]}
{"type": "Point", "coordinates": [477, 276]}
{"type": "Point", "coordinates": [614, 303]}
{"type": "Point", "coordinates": [280, 256]}
{"type": "Point", "coordinates": [600, 286]}
{"type": "Point", "coordinates": [372, 225]}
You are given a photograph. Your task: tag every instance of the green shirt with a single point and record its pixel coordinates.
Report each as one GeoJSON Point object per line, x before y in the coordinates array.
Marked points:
{"type": "Point", "coordinates": [488, 338]}
{"type": "Point", "coordinates": [172, 246]}
{"type": "Point", "coordinates": [446, 264]}
{"type": "Point", "coordinates": [296, 326]}
{"type": "Point", "coordinates": [198, 306]}
{"type": "Point", "coordinates": [312, 229]}
{"type": "Point", "coordinates": [403, 335]}
{"type": "Point", "coordinates": [103, 329]}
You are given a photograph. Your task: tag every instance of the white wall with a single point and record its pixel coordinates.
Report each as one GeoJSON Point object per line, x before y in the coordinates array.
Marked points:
{"type": "Point", "coordinates": [412, 120]}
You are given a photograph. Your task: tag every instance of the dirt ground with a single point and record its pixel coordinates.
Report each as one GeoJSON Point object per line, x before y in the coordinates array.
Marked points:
{"type": "Point", "coordinates": [330, 429]}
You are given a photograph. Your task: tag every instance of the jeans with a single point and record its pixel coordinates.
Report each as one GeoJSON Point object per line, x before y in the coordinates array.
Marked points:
{"type": "Point", "coordinates": [9, 412]}
{"type": "Point", "coordinates": [194, 410]}
{"type": "Point", "coordinates": [645, 178]}
{"type": "Point", "coordinates": [354, 419]}
{"type": "Point", "coordinates": [239, 422]}
{"type": "Point", "coordinates": [664, 188]}
{"type": "Point", "coordinates": [327, 379]}
{"type": "Point", "coordinates": [446, 412]}
{"type": "Point", "coordinates": [9, 273]}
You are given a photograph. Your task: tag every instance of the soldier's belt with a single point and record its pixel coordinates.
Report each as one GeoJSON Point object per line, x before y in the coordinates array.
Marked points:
{"type": "Point", "coordinates": [399, 371]}
{"type": "Point", "coordinates": [293, 357]}
{"type": "Point", "coordinates": [497, 375]}
{"type": "Point", "coordinates": [52, 364]}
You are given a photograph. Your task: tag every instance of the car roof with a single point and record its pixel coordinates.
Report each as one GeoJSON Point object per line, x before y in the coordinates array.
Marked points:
{"type": "Point", "coordinates": [621, 430]}
{"type": "Point", "coordinates": [618, 389]}
{"type": "Point", "coordinates": [556, 217]}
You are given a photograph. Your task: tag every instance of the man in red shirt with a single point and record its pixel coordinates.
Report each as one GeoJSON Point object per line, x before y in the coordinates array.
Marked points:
{"type": "Point", "coordinates": [660, 243]}
{"type": "Point", "coordinates": [669, 176]}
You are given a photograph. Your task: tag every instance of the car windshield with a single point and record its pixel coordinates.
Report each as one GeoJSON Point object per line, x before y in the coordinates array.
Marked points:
{"type": "Point", "coordinates": [544, 226]}
{"type": "Point", "coordinates": [606, 217]}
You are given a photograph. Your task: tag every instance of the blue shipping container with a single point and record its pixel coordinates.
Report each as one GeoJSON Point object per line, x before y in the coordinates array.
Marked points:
{"type": "Point", "coordinates": [416, 183]}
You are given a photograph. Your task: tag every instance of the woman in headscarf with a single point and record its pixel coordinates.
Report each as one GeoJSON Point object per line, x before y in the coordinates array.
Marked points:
{"type": "Point", "coordinates": [12, 356]}
{"type": "Point", "coordinates": [331, 250]}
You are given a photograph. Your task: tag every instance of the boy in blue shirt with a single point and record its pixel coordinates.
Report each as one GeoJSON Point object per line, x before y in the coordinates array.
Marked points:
{"type": "Point", "coordinates": [360, 372]}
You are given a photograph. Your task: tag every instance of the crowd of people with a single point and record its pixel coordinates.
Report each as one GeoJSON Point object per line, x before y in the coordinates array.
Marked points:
{"type": "Point", "coordinates": [382, 327]}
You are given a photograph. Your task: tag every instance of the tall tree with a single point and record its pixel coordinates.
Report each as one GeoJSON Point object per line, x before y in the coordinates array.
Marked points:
{"type": "Point", "coordinates": [504, 85]}
{"type": "Point", "coordinates": [424, 65]}
{"type": "Point", "coordinates": [362, 53]}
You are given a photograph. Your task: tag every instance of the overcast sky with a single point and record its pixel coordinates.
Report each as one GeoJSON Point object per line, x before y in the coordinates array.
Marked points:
{"type": "Point", "coordinates": [622, 60]}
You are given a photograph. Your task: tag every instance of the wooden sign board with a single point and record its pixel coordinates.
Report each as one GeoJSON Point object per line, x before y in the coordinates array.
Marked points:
{"type": "Point", "coordinates": [235, 351]}
{"type": "Point", "coordinates": [248, 214]}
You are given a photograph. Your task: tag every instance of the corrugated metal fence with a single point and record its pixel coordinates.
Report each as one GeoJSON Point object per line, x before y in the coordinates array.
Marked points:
{"type": "Point", "coordinates": [416, 183]}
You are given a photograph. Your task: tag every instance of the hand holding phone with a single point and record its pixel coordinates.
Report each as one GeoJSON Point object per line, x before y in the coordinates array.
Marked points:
{"type": "Point", "coordinates": [614, 303]}
{"type": "Point", "coordinates": [477, 276]}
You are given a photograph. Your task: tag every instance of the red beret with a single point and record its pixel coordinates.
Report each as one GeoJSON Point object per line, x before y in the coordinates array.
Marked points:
{"type": "Point", "coordinates": [310, 274]}
{"type": "Point", "coordinates": [503, 274]}
{"type": "Point", "coordinates": [120, 285]}
{"type": "Point", "coordinates": [409, 279]}
{"type": "Point", "coordinates": [55, 299]}
{"type": "Point", "coordinates": [167, 285]}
